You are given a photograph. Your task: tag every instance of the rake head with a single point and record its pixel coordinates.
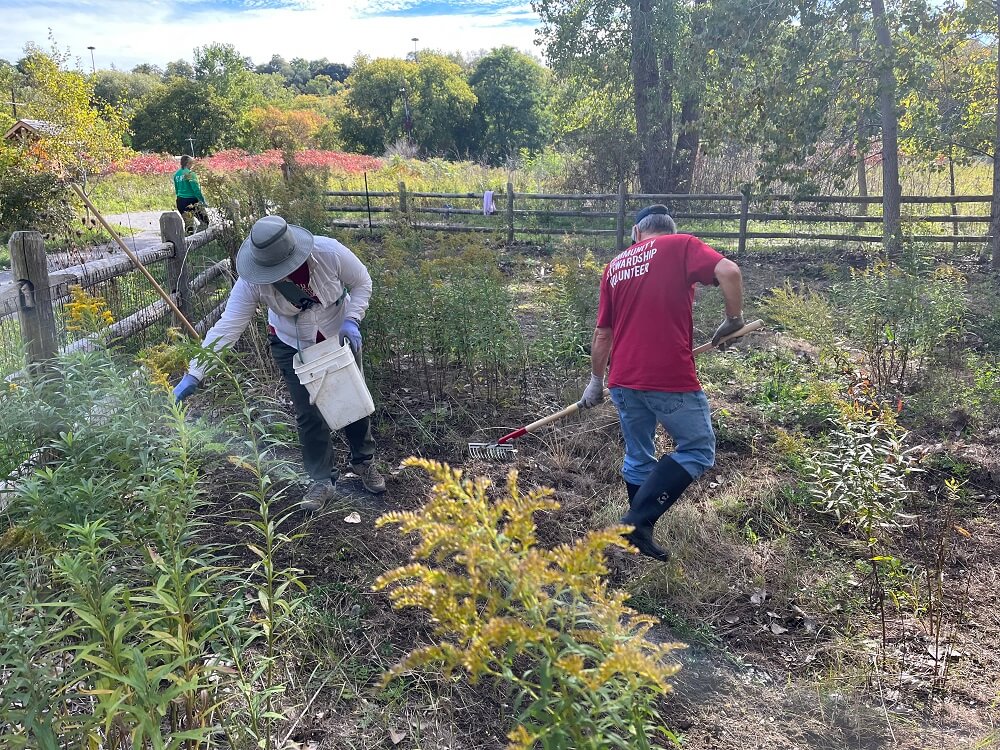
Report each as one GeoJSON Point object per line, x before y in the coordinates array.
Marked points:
{"type": "Point", "coordinates": [492, 451]}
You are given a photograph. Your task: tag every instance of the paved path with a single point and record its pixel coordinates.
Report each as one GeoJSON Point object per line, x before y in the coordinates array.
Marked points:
{"type": "Point", "coordinates": [145, 224]}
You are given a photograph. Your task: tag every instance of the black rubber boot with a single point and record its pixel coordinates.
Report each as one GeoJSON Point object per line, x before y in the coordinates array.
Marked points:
{"type": "Point", "coordinates": [631, 489]}
{"type": "Point", "coordinates": [654, 498]}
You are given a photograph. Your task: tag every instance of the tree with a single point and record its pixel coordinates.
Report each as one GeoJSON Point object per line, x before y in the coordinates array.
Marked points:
{"type": "Point", "coordinates": [227, 71]}
{"type": "Point", "coordinates": [165, 121]}
{"type": "Point", "coordinates": [148, 69]}
{"type": "Point", "coordinates": [510, 113]}
{"type": "Point", "coordinates": [286, 129]}
{"type": "Point", "coordinates": [125, 90]}
{"type": "Point", "coordinates": [442, 103]}
{"type": "Point", "coordinates": [179, 69]}
{"type": "Point", "coordinates": [374, 115]}
{"type": "Point", "coordinates": [891, 190]}
{"type": "Point", "coordinates": [89, 136]}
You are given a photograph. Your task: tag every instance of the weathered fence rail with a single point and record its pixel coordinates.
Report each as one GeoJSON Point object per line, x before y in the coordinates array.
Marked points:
{"type": "Point", "coordinates": [742, 217]}
{"type": "Point", "coordinates": [37, 295]}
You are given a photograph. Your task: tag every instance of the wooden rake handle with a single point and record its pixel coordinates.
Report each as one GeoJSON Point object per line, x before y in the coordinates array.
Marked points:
{"type": "Point", "coordinates": [574, 408]}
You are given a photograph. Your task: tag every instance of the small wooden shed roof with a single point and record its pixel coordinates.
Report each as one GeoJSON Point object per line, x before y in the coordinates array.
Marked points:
{"type": "Point", "coordinates": [31, 129]}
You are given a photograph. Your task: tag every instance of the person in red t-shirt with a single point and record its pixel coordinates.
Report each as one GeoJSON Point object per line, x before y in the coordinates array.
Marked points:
{"type": "Point", "coordinates": [645, 328]}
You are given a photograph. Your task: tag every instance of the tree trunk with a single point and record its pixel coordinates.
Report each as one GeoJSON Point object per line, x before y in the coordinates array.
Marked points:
{"type": "Point", "coordinates": [688, 136]}
{"type": "Point", "coordinates": [995, 213]}
{"type": "Point", "coordinates": [688, 142]}
{"type": "Point", "coordinates": [891, 191]}
{"type": "Point", "coordinates": [860, 141]}
{"type": "Point", "coordinates": [652, 127]}
{"type": "Point", "coordinates": [667, 112]}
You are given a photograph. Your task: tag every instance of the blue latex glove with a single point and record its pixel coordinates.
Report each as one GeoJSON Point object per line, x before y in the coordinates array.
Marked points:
{"type": "Point", "coordinates": [188, 385]}
{"type": "Point", "coordinates": [349, 331]}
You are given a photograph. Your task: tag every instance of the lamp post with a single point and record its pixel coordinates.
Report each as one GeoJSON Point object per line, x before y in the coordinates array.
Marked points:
{"type": "Point", "coordinates": [93, 67]}
{"type": "Point", "coordinates": [407, 120]}
{"type": "Point", "coordinates": [415, 40]}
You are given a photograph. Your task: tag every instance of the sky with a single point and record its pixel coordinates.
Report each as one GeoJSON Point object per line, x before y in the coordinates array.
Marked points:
{"type": "Point", "coordinates": [125, 33]}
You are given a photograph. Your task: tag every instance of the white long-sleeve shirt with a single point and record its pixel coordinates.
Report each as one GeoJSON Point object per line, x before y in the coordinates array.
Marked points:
{"type": "Point", "coordinates": [332, 267]}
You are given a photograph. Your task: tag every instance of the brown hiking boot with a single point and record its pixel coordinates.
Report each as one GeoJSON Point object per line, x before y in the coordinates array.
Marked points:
{"type": "Point", "coordinates": [370, 478]}
{"type": "Point", "coordinates": [317, 495]}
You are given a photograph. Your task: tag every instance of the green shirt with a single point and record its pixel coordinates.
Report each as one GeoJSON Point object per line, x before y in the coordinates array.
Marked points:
{"type": "Point", "coordinates": [186, 185]}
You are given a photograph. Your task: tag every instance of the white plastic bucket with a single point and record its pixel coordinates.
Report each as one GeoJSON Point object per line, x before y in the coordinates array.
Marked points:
{"type": "Point", "coordinates": [335, 384]}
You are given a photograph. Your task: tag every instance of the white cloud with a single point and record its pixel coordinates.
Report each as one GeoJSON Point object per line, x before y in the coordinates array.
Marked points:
{"type": "Point", "coordinates": [127, 32]}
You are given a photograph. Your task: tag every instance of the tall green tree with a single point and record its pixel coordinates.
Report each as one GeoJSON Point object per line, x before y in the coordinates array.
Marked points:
{"type": "Point", "coordinates": [125, 90]}
{"type": "Point", "coordinates": [442, 103]}
{"type": "Point", "coordinates": [165, 121]}
{"type": "Point", "coordinates": [381, 92]}
{"type": "Point", "coordinates": [510, 114]}
{"type": "Point", "coordinates": [374, 107]}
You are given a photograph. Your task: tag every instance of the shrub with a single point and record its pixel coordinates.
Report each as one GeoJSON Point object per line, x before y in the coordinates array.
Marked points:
{"type": "Point", "coordinates": [571, 309]}
{"type": "Point", "coordinates": [443, 322]}
{"type": "Point", "coordinates": [860, 476]}
{"type": "Point", "coordinates": [902, 316]}
{"type": "Point", "coordinates": [805, 314]}
{"type": "Point", "coordinates": [542, 622]}
{"type": "Point", "coordinates": [31, 197]}
{"type": "Point", "coordinates": [121, 628]}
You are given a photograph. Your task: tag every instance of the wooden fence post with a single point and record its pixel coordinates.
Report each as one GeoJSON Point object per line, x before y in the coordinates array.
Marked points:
{"type": "Point", "coordinates": [34, 310]}
{"type": "Point", "coordinates": [620, 218]}
{"type": "Point", "coordinates": [178, 278]}
{"type": "Point", "coordinates": [402, 198]}
{"type": "Point", "coordinates": [744, 210]}
{"type": "Point", "coordinates": [510, 212]}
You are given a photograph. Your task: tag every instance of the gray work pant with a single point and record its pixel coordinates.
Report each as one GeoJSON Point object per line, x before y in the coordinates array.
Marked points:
{"type": "Point", "coordinates": [314, 433]}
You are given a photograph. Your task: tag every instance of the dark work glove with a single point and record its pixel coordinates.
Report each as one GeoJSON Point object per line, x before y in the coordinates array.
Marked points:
{"type": "Point", "coordinates": [729, 326]}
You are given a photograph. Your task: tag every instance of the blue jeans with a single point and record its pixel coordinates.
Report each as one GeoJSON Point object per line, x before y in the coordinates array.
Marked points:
{"type": "Point", "coordinates": [685, 416]}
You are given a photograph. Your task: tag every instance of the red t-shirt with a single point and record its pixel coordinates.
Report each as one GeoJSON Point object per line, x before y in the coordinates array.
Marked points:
{"type": "Point", "coordinates": [647, 294]}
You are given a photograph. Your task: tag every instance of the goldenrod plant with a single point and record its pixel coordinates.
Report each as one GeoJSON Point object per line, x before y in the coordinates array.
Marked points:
{"type": "Point", "coordinates": [541, 621]}
{"type": "Point", "coordinates": [86, 313]}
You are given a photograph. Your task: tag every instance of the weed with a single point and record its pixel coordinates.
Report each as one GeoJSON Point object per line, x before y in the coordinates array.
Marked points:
{"type": "Point", "coordinates": [902, 316]}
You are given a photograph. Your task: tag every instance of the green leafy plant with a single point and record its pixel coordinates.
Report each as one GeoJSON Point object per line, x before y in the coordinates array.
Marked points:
{"type": "Point", "coordinates": [570, 309]}
{"type": "Point", "coordinates": [542, 622]}
{"type": "Point", "coordinates": [860, 476]}
{"type": "Point", "coordinates": [902, 316]}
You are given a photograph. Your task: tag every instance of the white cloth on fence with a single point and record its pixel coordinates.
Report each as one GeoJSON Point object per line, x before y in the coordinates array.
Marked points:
{"type": "Point", "coordinates": [331, 268]}
{"type": "Point", "coordinates": [488, 207]}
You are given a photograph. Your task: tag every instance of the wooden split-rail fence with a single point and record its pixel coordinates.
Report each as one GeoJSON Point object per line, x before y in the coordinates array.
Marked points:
{"type": "Point", "coordinates": [37, 293]}
{"type": "Point", "coordinates": [740, 218]}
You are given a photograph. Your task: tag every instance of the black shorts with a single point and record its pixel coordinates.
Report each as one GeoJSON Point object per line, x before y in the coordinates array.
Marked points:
{"type": "Point", "coordinates": [185, 204]}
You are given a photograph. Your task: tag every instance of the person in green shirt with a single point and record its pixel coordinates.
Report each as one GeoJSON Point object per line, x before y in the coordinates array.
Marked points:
{"type": "Point", "coordinates": [190, 201]}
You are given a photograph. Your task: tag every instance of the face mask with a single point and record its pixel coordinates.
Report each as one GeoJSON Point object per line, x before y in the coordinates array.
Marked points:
{"type": "Point", "coordinates": [635, 235]}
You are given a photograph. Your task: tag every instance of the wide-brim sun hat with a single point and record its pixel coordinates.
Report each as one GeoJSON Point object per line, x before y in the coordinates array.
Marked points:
{"type": "Point", "coordinates": [273, 250]}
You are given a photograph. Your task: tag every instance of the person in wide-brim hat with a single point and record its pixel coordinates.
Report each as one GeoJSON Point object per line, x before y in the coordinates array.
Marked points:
{"type": "Point", "coordinates": [273, 250]}
{"type": "Point", "coordinates": [314, 288]}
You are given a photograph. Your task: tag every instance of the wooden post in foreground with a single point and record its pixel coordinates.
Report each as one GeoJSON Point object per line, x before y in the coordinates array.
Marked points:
{"type": "Point", "coordinates": [178, 278]}
{"type": "Point", "coordinates": [34, 306]}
